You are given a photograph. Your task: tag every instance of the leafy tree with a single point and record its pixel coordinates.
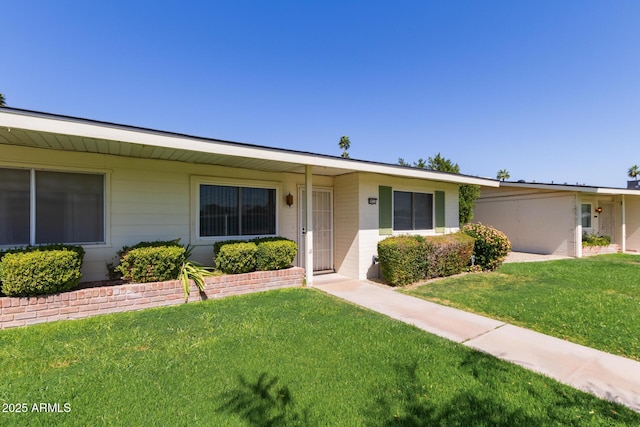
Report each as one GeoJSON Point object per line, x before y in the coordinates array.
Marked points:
{"type": "Point", "coordinates": [633, 172]}
{"type": "Point", "coordinates": [439, 163]}
{"type": "Point", "coordinates": [344, 144]}
{"type": "Point", "coordinates": [467, 196]}
{"type": "Point", "coordinates": [421, 163]}
{"type": "Point", "coordinates": [503, 174]}
{"type": "Point", "coordinates": [467, 193]}
{"type": "Point", "coordinates": [2, 100]}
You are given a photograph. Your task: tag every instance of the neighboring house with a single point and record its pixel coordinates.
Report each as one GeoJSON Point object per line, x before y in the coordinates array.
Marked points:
{"type": "Point", "coordinates": [103, 185]}
{"type": "Point", "coordinates": [551, 218]}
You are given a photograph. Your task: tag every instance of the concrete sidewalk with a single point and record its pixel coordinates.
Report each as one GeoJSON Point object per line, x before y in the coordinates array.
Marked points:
{"type": "Point", "coordinates": [607, 376]}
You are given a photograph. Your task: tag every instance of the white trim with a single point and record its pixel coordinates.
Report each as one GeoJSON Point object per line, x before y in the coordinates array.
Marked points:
{"type": "Point", "coordinates": [41, 122]}
{"type": "Point", "coordinates": [623, 225]}
{"type": "Point", "coordinates": [576, 188]}
{"type": "Point", "coordinates": [197, 180]}
{"type": "Point", "coordinates": [302, 220]}
{"type": "Point", "coordinates": [38, 167]}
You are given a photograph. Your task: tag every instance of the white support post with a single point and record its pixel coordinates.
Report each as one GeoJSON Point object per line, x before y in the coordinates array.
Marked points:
{"type": "Point", "coordinates": [624, 226]}
{"type": "Point", "coordinates": [308, 238]}
{"type": "Point", "coordinates": [578, 232]}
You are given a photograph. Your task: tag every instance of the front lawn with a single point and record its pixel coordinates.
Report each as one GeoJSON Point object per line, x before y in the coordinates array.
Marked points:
{"type": "Point", "coordinates": [593, 301]}
{"type": "Point", "coordinates": [289, 357]}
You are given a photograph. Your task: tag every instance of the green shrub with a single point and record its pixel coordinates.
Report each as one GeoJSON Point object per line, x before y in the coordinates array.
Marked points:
{"type": "Point", "coordinates": [408, 259]}
{"type": "Point", "coordinates": [402, 259]}
{"type": "Point", "coordinates": [40, 272]}
{"type": "Point", "coordinates": [237, 258]}
{"type": "Point", "coordinates": [491, 246]}
{"type": "Point", "coordinates": [145, 264]}
{"type": "Point", "coordinates": [448, 254]}
{"type": "Point", "coordinates": [218, 245]}
{"type": "Point", "coordinates": [50, 247]}
{"type": "Point", "coordinates": [595, 240]}
{"type": "Point", "coordinates": [113, 268]}
{"type": "Point", "coordinates": [272, 253]}
{"type": "Point", "coordinates": [275, 254]}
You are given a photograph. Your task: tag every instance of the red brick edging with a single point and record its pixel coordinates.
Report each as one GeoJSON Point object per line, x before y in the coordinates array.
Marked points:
{"type": "Point", "coordinates": [114, 299]}
{"type": "Point", "coordinates": [599, 250]}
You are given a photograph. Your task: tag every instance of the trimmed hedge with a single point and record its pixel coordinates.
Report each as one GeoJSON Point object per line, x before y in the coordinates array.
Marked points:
{"type": "Point", "coordinates": [237, 258]}
{"type": "Point", "coordinates": [402, 259]}
{"type": "Point", "coordinates": [147, 262]}
{"type": "Point", "coordinates": [408, 259]}
{"type": "Point", "coordinates": [40, 271]}
{"type": "Point", "coordinates": [448, 254]}
{"type": "Point", "coordinates": [218, 245]}
{"type": "Point", "coordinates": [492, 246]}
{"type": "Point", "coordinates": [275, 254]}
{"type": "Point", "coordinates": [49, 247]}
{"type": "Point", "coordinates": [271, 253]}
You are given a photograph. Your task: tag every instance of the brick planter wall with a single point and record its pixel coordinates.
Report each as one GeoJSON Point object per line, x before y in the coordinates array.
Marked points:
{"type": "Point", "coordinates": [598, 250]}
{"type": "Point", "coordinates": [113, 299]}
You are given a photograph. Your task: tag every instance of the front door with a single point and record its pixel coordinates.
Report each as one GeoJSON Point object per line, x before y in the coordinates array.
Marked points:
{"type": "Point", "coordinates": [322, 229]}
{"type": "Point", "coordinates": [606, 220]}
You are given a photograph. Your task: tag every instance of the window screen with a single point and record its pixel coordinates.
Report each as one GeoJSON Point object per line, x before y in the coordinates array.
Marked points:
{"type": "Point", "coordinates": [237, 211]}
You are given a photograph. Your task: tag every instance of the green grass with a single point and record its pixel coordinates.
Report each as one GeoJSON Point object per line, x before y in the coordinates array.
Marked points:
{"type": "Point", "coordinates": [289, 357]}
{"type": "Point", "coordinates": [594, 301]}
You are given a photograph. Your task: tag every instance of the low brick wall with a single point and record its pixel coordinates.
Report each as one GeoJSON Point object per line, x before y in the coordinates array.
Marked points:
{"type": "Point", "coordinates": [599, 250]}
{"type": "Point", "coordinates": [114, 299]}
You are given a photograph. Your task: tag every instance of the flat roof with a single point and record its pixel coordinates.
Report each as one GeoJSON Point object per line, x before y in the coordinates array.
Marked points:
{"type": "Point", "coordinates": [59, 132]}
{"type": "Point", "coordinates": [567, 187]}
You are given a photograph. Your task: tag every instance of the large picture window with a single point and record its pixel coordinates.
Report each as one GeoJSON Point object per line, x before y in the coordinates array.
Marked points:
{"type": "Point", "coordinates": [68, 207]}
{"type": "Point", "coordinates": [412, 211]}
{"type": "Point", "coordinates": [237, 211]}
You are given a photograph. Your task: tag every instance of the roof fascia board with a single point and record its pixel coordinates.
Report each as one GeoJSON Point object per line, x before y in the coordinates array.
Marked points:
{"type": "Point", "coordinates": [572, 188]}
{"type": "Point", "coordinates": [42, 122]}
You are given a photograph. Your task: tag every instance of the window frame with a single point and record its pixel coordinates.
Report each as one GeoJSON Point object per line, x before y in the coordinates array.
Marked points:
{"type": "Point", "coordinates": [582, 215]}
{"type": "Point", "coordinates": [106, 191]}
{"type": "Point", "coordinates": [198, 181]}
{"type": "Point", "coordinates": [412, 230]}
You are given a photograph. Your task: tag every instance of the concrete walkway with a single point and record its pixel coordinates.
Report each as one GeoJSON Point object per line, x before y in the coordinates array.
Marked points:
{"type": "Point", "coordinates": [607, 376]}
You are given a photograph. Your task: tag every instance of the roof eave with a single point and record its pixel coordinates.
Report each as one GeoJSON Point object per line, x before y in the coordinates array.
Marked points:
{"type": "Point", "coordinates": [64, 125]}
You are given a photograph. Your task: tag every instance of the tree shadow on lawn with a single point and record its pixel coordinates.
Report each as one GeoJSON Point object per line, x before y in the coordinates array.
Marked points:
{"type": "Point", "coordinates": [408, 404]}
{"type": "Point", "coordinates": [262, 403]}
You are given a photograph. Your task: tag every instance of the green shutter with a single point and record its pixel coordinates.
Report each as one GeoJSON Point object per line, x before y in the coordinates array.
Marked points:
{"type": "Point", "coordinates": [385, 212]}
{"type": "Point", "coordinates": [440, 222]}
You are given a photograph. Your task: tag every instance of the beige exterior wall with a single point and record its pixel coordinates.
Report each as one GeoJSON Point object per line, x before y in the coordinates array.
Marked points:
{"type": "Point", "coordinates": [153, 199]}
{"type": "Point", "coordinates": [157, 200]}
{"type": "Point", "coordinates": [346, 214]}
{"type": "Point", "coordinates": [632, 218]}
{"type": "Point", "coordinates": [357, 222]}
{"type": "Point", "coordinates": [534, 220]}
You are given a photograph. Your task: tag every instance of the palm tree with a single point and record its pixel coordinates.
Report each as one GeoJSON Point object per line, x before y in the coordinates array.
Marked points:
{"type": "Point", "coordinates": [503, 174]}
{"type": "Point", "coordinates": [633, 172]}
{"type": "Point", "coordinates": [344, 144]}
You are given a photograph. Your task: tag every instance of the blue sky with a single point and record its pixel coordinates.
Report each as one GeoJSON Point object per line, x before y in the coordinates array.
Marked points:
{"type": "Point", "coordinates": [549, 90]}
